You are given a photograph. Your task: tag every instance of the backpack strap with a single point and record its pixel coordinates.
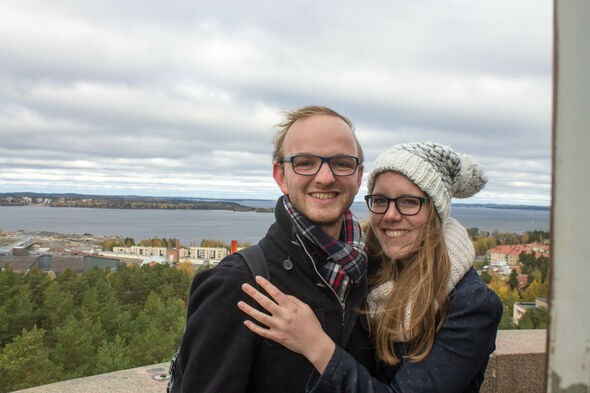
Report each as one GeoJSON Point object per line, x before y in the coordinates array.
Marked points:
{"type": "Point", "coordinates": [256, 261]}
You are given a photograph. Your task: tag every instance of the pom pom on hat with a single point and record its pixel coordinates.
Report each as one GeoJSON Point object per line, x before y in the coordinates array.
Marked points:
{"type": "Point", "coordinates": [436, 169]}
{"type": "Point", "coordinates": [471, 179]}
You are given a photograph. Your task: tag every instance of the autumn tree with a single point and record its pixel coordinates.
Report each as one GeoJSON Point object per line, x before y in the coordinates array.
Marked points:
{"type": "Point", "coordinates": [113, 242]}
{"type": "Point", "coordinates": [213, 243]}
{"type": "Point", "coordinates": [535, 290]}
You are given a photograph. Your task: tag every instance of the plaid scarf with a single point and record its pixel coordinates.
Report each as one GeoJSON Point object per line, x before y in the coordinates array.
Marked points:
{"type": "Point", "coordinates": [341, 262]}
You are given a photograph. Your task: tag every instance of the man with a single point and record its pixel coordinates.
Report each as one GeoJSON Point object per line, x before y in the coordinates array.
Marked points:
{"type": "Point", "coordinates": [314, 250]}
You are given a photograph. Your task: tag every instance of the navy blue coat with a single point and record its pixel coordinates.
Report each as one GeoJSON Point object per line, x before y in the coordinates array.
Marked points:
{"type": "Point", "coordinates": [456, 363]}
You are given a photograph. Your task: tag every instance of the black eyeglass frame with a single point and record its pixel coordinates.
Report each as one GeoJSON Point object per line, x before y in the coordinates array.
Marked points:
{"type": "Point", "coordinates": [322, 160]}
{"type": "Point", "coordinates": [394, 200]}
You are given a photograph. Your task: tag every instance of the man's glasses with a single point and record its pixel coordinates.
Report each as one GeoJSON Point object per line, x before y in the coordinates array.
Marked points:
{"type": "Point", "coordinates": [406, 205]}
{"type": "Point", "coordinates": [310, 164]}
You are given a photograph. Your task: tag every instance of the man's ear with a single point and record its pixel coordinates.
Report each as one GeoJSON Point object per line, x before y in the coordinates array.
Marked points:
{"type": "Point", "coordinates": [359, 180]}
{"type": "Point", "coordinates": [278, 173]}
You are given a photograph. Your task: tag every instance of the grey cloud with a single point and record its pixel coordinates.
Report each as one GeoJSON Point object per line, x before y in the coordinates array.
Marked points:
{"type": "Point", "coordinates": [168, 96]}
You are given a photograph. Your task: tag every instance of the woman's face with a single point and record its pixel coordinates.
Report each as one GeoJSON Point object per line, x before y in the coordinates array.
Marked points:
{"type": "Point", "coordinates": [394, 231]}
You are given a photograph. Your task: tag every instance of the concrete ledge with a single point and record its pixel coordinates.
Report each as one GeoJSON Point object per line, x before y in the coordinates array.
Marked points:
{"type": "Point", "coordinates": [517, 365]}
{"type": "Point", "coordinates": [147, 379]}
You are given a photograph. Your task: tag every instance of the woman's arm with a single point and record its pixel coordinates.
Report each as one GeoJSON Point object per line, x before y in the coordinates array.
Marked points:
{"type": "Point", "coordinates": [459, 352]}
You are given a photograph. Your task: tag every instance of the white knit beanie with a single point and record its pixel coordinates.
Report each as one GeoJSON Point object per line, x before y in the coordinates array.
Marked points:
{"type": "Point", "coordinates": [436, 169]}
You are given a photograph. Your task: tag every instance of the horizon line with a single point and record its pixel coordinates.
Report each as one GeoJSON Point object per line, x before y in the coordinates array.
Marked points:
{"type": "Point", "coordinates": [242, 198]}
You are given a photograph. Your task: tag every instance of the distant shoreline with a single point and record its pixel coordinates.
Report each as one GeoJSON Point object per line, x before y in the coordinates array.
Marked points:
{"type": "Point", "coordinates": [122, 202]}
{"type": "Point", "coordinates": [503, 206]}
{"type": "Point", "coordinates": [175, 203]}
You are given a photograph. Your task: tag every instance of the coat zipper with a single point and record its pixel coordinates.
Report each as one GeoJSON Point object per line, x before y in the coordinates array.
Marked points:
{"type": "Point", "coordinates": [343, 302]}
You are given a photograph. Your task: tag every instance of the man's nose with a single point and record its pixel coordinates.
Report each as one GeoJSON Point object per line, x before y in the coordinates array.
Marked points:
{"type": "Point", "coordinates": [325, 174]}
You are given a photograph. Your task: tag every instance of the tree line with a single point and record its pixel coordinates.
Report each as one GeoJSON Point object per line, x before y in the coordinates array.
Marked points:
{"type": "Point", "coordinates": [163, 242]}
{"type": "Point", "coordinates": [69, 326]}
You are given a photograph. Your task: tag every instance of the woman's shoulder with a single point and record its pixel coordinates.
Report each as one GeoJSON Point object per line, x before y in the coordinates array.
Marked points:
{"type": "Point", "coordinates": [473, 291]}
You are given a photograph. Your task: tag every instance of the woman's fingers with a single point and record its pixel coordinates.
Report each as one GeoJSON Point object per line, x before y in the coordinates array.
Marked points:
{"type": "Point", "coordinates": [273, 291]}
{"type": "Point", "coordinates": [259, 316]}
{"type": "Point", "coordinates": [262, 332]}
{"type": "Point", "coordinates": [261, 299]}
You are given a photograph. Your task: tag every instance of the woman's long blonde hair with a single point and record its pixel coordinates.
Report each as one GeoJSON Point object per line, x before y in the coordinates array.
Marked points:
{"type": "Point", "coordinates": [420, 282]}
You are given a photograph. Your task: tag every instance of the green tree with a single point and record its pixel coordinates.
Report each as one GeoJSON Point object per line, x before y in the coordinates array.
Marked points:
{"type": "Point", "coordinates": [506, 322]}
{"type": "Point", "coordinates": [24, 362]}
{"type": "Point", "coordinates": [16, 313]}
{"type": "Point", "coordinates": [75, 349]}
{"type": "Point", "coordinates": [57, 306]}
{"type": "Point", "coordinates": [480, 247]}
{"type": "Point", "coordinates": [473, 233]}
{"type": "Point", "coordinates": [37, 281]}
{"type": "Point", "coordinates": [534, 318]}
{"type": "Point", "coordinates": [158, 331]}
{"type": "Point", "coordinates": [112, 356]}
{"type": "Point", "coordinates": [68, 281]}
{"type": "Point", "coordinates": [513, 279]}
{"type": "Point", "coordinates": [486, 277]}
{"type": "Point", "coordinates": [543, 266]}
{"type": "Point", "coordinates": [527, 262]}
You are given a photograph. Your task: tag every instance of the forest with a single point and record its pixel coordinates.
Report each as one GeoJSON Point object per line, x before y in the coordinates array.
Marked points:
{"type": "Point", "coordinates": [69, 326]}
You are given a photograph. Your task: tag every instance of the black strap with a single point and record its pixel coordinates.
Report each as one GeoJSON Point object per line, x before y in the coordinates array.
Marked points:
{"type": "Point", "coordinates": [254, 258]}
{"type": "Point", "coordinates": [256, 262]}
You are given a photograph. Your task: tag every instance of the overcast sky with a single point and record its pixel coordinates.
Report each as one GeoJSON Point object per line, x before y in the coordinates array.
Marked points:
{"type": "Point", "coordinates": [179, 98]}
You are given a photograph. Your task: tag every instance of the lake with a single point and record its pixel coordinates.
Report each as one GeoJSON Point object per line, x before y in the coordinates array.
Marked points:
{"type": "Point", "coordinates": [194, 225]}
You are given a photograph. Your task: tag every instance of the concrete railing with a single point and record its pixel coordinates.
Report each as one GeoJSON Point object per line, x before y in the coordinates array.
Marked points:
{"type": "Point", "coordinates": [517, 365]}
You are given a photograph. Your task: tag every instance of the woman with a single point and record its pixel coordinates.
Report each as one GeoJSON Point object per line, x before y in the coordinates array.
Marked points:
{"type": "Point", "coordinates": [432, 319]}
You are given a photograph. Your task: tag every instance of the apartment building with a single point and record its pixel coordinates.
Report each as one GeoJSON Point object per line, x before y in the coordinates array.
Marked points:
{"type": "Point", "coordinates": [208, 253]}
{"type": "Point", "coordinates": [171, 255]}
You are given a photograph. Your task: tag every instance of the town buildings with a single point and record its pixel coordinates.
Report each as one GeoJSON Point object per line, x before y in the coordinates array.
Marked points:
{"type": "Point", "coordinates": [196, 256]}
{"type": "Point", "coordinates": [55, 252]}
{"type": "Point", "coordinates": [507, 255]}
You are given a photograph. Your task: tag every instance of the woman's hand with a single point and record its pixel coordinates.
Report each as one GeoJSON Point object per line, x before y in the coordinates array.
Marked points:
{"type": "Point", "coordinates": [291, 323]}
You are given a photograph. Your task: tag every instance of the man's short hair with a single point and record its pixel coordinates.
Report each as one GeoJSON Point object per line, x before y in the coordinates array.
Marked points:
{"type": "Point", "coordinates": [303, 113]}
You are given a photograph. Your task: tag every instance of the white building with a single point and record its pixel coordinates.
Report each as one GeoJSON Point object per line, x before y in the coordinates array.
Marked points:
{"type": "Point", "coordinates": [208, 253]}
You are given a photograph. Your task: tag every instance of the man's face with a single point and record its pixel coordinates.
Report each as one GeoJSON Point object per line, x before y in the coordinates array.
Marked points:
{"type": "Point", "coordinates": [322, 198]}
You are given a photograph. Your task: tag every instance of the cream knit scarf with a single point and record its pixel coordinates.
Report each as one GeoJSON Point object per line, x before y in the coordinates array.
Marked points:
{"type": "Point", "coordinates": [461, 255]}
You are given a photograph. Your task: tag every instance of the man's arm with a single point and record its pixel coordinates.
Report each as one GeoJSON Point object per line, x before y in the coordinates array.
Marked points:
{"type": "Point", "coordinates": [217, 351]}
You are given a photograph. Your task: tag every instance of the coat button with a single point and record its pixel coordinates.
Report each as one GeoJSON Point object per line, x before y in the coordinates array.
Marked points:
{"type": "Point", "coordinates": [287, 264]}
